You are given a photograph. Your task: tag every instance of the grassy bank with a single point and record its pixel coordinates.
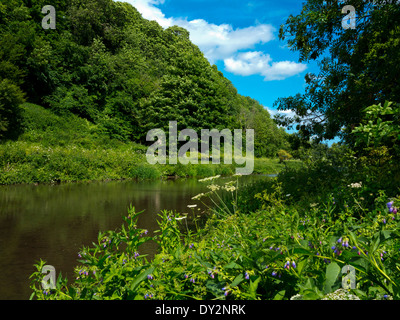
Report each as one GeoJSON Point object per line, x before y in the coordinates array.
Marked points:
{"type": "Point", "coordinates": [68, 149]}
{"type": "Point", "coordinates": [275, 251]}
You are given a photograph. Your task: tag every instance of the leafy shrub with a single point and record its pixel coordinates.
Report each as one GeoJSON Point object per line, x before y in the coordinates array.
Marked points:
{"type": "Point", "coordinates": [11, 97]}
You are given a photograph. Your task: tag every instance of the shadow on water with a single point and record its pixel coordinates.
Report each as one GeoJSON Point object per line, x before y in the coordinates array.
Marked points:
{"type": "Point", "coordinates": [52, 222]}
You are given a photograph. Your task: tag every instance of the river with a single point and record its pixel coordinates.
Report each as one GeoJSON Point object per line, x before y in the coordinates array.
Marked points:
{"type": "Point", "coordinates": [52, 222]}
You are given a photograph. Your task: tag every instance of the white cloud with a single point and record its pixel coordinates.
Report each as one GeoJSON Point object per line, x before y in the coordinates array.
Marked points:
{"type": "Point", "coordinates": [287, 113]}
{"type": "Point", "coordinates": [223, 42]}
{"type": "Point", "coordinates": [149, 11]}
{"type": "Point", "coordinates": [217, 42]}
{"type": "Point", "coordinates": [256, 62]}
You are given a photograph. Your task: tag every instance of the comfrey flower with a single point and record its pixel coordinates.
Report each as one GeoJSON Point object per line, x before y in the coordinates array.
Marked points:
{"type": "Point", "coordinates": [226, 291]}
{"type": "Point", "coordinates": [246, 276]}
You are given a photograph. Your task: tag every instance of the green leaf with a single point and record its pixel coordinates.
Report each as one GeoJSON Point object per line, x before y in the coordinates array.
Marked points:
{"type": "Point", "coordinates": [253, 287]}
{"type": "Point", "coordinates": [280, 295]}
{"type": "Point", "coordinates": [232, 265]}
{"type": "Point", "coordinates": [142, 276]}
{"type": "Point", "coordinates": [237, 280]}
{"type": "Point", "coordinates": [332, 273]}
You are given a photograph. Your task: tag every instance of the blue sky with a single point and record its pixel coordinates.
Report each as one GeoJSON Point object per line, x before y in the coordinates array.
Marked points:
{"type": "Point", "coordinates": [241, 38]}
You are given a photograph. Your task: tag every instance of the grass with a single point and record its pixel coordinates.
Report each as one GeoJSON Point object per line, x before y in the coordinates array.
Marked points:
{"type": "Point", "coordinates": [56, 149]}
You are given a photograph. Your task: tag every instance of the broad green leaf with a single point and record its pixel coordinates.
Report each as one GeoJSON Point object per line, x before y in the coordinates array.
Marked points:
{"type": "Point", "coordinates": [332, 273]}
{"type": "Point", "coordinates": [237, 280]}
{"type": "Point", "coordinates": [280, 295]}
{"type": "Point", "coordinates": [142, 276]}
{"type": "Point", "coordinates": [253, 287]}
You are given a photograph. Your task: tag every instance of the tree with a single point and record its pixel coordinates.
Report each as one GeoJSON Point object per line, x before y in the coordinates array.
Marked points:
{"type": "Point", "coordinates": [358, 67]}
{"type": "Point", "coordinates": [11, 97]}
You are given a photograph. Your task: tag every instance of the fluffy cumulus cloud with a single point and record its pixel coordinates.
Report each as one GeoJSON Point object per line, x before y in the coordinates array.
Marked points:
{"type": "Point", "coordinates": [223, 42]}
{"type": "Point", "coordinates": [256, 62]}
{"type": "Point", "coordinates": [219, 42]}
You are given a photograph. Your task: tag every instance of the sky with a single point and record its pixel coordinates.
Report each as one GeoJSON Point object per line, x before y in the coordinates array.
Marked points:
{"type": "Point", "coordinates": [241, 38]}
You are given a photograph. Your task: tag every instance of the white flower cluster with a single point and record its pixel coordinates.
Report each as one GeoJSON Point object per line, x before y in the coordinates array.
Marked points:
{"type": "Point", "coordinates": [340, 294]}
{"type": "Point", "coordinates": [209, 178]}
{"type": "Point", "coordinates": [355, 185]}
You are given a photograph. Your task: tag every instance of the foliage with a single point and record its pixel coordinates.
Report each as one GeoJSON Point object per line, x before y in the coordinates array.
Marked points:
{"type": "Point", "coordinates": [280, 251]}
{"type": "Point", "coordinates": [378, 129]}
{"type": "Point", "coordinates": [124, 74]}
{"type": "Point", "coordinates": [10, 114]}
{"type": "Point", "coordinates": [358, 67]}
{"type": "Point", "coordinates": [284, 155]}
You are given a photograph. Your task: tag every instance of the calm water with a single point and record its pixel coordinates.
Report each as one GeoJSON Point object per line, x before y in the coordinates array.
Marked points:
{"type": "Point", "coordinates": [52, 222]}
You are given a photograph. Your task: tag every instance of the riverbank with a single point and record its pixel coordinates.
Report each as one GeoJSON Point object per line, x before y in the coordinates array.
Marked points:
{"type": "Point", "coordinates": [31, 163]}
{"type": "Point", "coordinates": [56, 149]}
{"type": "Point", "coordinates": [278, 250]}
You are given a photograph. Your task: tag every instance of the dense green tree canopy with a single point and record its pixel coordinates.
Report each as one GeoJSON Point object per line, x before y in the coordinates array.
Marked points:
{"type": "Point", "coordinates": [127, 75]}
{"type": "Point", "coordinates": [358, 67]}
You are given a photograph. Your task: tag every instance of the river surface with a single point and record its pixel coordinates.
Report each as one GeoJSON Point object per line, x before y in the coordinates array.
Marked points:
{"type": "Point", "coordinates": [53, 222]}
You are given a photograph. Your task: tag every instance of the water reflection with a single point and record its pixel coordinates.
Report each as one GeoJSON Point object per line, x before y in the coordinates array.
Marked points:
{"type": "Point", "coordinates": [52, 222]}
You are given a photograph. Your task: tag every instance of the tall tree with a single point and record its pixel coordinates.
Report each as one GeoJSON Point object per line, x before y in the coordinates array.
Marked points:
{"type": "Point", "coordinates": [358, 67]}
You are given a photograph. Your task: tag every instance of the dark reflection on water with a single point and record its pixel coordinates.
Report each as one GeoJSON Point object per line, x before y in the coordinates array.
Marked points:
{"type": "Point", "coordinates": [52, 222]}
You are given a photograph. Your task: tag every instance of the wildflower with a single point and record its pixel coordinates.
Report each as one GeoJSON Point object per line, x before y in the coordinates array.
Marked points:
{"type": "Point", "coordinates": [136, 255]}
{"type": "Point", "coordinates": [294, 264]}
{"type": "Point", "coordinates": [192, 280]}
{"type": "Point", "coordinates": [197, 197]}
{"type": "Point", "coordinates": [389, 204]}
{"type": "Point", "coordinates": [273, 273]}
{"type": "Point", "coordinates": [186, 276]}
{"type": "Point", "coordinates": [355, 185]}
{"type": "Point", "coordinates": [150, 277]}
{"type": "Point", "coordinates": [181, 218]}
{"type": "Point", "coordinates": [191, 246]}
{"type": "Point", "coordinates": [209, 178]}
{"type": "Point", "coordinates": [192, 206]}
{"type": "Point", "coordinates": [213, 187]}
{"type": "Point", "coordinates": [247, 277]}
{"type": "Point", "coordinates": [230, 188]}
